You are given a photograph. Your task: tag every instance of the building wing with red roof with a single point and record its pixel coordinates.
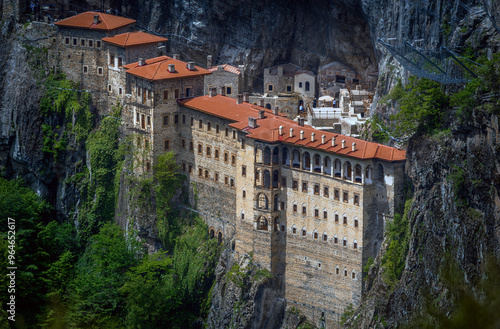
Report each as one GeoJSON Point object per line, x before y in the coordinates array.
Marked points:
{"type": "Point", "coordinates": [227, 68]}
{"type": "Point", "coordinates": [267, 129]}
{"type": "Point", "coordinates": [95, 21]}
{"type": "Point", "coordinates": [131, 39]}
{"type": "Point", "coordinates": [159, 68]}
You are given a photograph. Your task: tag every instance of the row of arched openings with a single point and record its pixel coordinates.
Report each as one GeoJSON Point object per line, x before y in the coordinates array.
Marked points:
{"type": "Point", "coordinates": [213, 234]}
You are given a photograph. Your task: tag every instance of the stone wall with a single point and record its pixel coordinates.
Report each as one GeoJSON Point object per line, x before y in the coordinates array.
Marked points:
{"type": "Point", "coordinates": [224, 79]}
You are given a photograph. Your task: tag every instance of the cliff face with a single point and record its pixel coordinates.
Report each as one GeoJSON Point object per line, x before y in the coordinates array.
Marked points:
{"type": "Point", "coordinates": [262, 33]}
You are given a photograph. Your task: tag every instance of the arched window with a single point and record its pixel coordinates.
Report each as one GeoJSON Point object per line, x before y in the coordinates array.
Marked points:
{"type": "Point", "coordinates": [268, 106]}
{"type": "Point", "coordinates": [267, 179]}
{"type": "Point", "coordinates": [337, 270]}
{"type": "Point", "coordinates": [357, 173]}
{"type": "Point", "coordinates": [306, 161]}
{"type": "Point", "coordinates": [308, 86]}
{"type": "Point", "coordinates": [211, 233]}
{"type": "Point", "coordinates": [337, 166]}
{"type": "Point", "coordinates": [353, 275]}
{"type": "Point", "coordinates": [285, 159]}
{"type": "Point", "coordinates": [315, 235]}
{"type": "Point", "coordinates": [327, 166]}
{"type": "Point", "coordinates": [347, 170]}
{"type": "Point", "coordinates": [355, 244]}
{"type": "Point", "coordinates": [317, 163]}
{"type": "Point", "coordinates": [267, 155]}
{"type": "Point", "coordinates": [276, 177]}
{"type": "Point", "coordinates": [276, 155]}
{"type": "Point", "coordinates": [219, 237]}
{"type": "Point", "coordinates": [345, 272]}
{"type": "Point", "coordinates": [262, 201]}
{"type": "Point", "coordinates": [262, 224]}
{"type": "Point", "coordinates": [296, 159]}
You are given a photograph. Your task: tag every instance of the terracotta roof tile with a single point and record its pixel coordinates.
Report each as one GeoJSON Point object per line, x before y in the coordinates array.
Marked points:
{"type": "Point", "coordinates": [85, 20]}
{"type": "Point", "coordinates": [130, 39]}
{"type": "Point", "coordinates": [226, 67]}
{"type": "Point", "coordinates": [157, 69]}
{"type": "Point", "coordinates": [268, 129]}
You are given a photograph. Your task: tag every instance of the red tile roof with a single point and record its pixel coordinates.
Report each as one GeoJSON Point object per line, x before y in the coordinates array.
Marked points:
{"type": "Point", "coordinates": [85, 20]}
{"type": "Point", "coordinates": [157, 69]}
{"type": "Point", "coordinates": [226, 67]}
{"type": "Point", "coordinates": [130, 39]}
{"type": "Point", "coordinates": [268, 129]}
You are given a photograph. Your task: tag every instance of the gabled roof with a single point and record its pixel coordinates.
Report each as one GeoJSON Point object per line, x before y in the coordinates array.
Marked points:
{"type": "Point", "coordinates": [268, 129]}
{"type": "Point", "coordinates": [85, 20]}
{"type": "Point", "coordinates": [130, 39]}
{"type": "Point", "coordinates": [227, 68]}
{"type": "Point", "coordinates": [157, 69]}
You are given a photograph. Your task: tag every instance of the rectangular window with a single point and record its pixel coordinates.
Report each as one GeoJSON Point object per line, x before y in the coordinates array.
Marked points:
{"type": "Point", "coordinates": [295, 185]}
{"type": "Point", "coordinates": [109, 88]}
{"type": "Point", "coordinates": [226, 180]}
{"type": "Point", "coordinates": [209, 151]}
{"type": "Point", "coordinates": [244, 194]}
{"type": "Point", "coordinates": [99, 70]}
{"type": "Point", "coordinates": [304, 210]}
{"type": "Point", "coordinates": [90, 43]}
{"type": "Point", "coordinates": [325, 214]}
{"type": "Point", "coordinates": [345, 220]}
{"type": "Point", "coordinates": [356, 199]}
{"type": "Point", "coordinates": [336, 218]}
{"type": "Point", "coordinates": [111, 60]}
{"type": "Point", "coordinates": [183, 143]}
{"type": "Point", "coordinates": [226, 157]}
{"type": "Point", "coordinates": [176, 119]}
{"type": "Point", "coordinates": [149, 119]}
{"type": "Point", "coordinates": [282, 205]}
{"type": "Point", "coordinates": [138, 117]}
{"type": "Point", "coordinates": [183, 166]}
{"type": "Point", "coordinates": [165, 120]}
{"type": "Point", "coordinates": [216, 129]}
{"type": "Point", "coordinates": [165, 95]}
{"type": "Point", "coordinates": [183, 119]}
{"type": "Point", "coordinates": [192, 121]}
{"type": "Point", "coordinates": [288, 89]}
{"type": "Point", "coordinates": [283, 182]}
{"type": "Point", "coordinates": [98, 44]}
{"type": "Point", "coordinates": [66, 40]}
{"type": "Point", "coordinates": [85, 69]}
{"type": "Point", "coordinates": [188, 91]}
{"type": "Point", "coordinates": [326, 192]}
{"type": "Point", "coordinates": [200, 124]}
{"type": "Point", "coordinates": [200, 149]}
{"type": "Point", "coordinates": [209, 126]}
{"type": "Point", "coordinates": [191, 146]}
{"type": "Point", "coordinates": [233, 160]}
{"type": "Point", "coordinates": [200, 172]}
{"type": "Point", "coordinates": [229, 91]}
{"type": "Point", "coordinates": [304, 186]}
{"type": "Point", "coordinates": [190, 169]}
{"type": "Point", "coordinates": [167, 145]}
{"type": "Point", "coordinates": [206, 174]}
{"type": "Point", "coordinates": [316, 213]}
{"type": "Point", "coordinates": [316, 189]}
{"type": "Point", "coordinates": [75, 42]}
{"type": "Point", "coordinates": [336, 194]}
{"type": "Point", "coordinates": [216, 177]}
{"type": "Point", "coordinates": [242, 143]}
{"type": "Point", "coordinates": [234, 134]}
{"type": "Point", "coordinates": [216, 154]}
{"type": "Point", "coordinates": [146, 143]}
{"type": "Point", "coordinates": [120, 62]}
{"type": "Point", "coordinates": [295, 208]}
{"type": "Point", "coordinates": [176, 93]}
{"type": "Point", "coordinates": [232, 182]}
{"type": "Point", "coordinates": [244, 171]}
{"type": "Point", "coordinates": [143, 121]}
{"type": "Point", "coordinates": [120, 91]}
{"type": "Point", "coordinates": [345, 197]}
{"type": "Point", "coordinates": [227, 132]}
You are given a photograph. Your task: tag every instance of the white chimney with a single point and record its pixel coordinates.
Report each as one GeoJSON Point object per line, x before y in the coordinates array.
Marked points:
{"type": "Point", "coordinates": [262, 114]}
{"type": "Point", "coordinates": [171, 68]}
{"type": "Point", "coordinates": [280, 130]}
{"type": "Point", "coordinates": [301, 134]}
{"type": "Point", "coordinates": [333, 141]}
{"type": "Point", "coordinates": [209, 61]}
{"type": "Point", "coordinates": [312, 137]}
{"type": "Point", "coordinates": [343, 144]}
{"type": "Point", "coordinates": [354, 147]}
{"type": "Point", "coordinates": [176, 56]}
{"type": "Point", "coordinates": [252, 122]}
{"type": "Point", "coordinates": [246, 97]}
{"type": "Point", "coordinates": [323, 137]}
{"type": "Point", "coordinates": [141, 62]}
{"type": "Point", "coordinates": [239, 99]}
{"type": "Point", "coordinates": [96, 19]}
{"type": "Point", "coordinates": [190, 66]}
{"type": "Point", "coordinates": [291, 132]}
